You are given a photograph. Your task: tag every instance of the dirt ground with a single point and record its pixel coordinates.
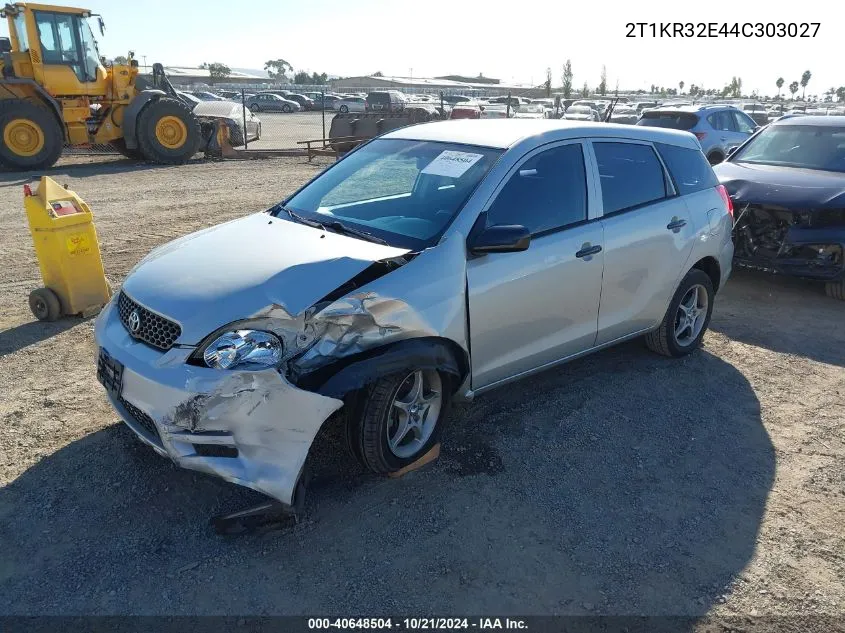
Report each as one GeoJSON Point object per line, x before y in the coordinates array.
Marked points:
{"type": "Point", "coordinates": [623, 483]}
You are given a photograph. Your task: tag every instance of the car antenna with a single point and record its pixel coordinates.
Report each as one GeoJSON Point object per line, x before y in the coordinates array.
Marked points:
{"type": "Point", "coordinates": [609, 112]}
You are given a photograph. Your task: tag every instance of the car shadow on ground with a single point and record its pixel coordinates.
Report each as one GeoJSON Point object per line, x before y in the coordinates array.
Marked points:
{"type": "Point", "coordinates": [26, 334]}
{"type": "Point", "coordinates": [11, 178]}
{"type": "Point", "coordinates": [623, 483]}
{"type": "Point", "coordinates": [781, 314]}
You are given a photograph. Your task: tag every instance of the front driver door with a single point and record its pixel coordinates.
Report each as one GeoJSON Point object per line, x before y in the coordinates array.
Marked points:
{"type": "Point", "coordinates": [531, 308]}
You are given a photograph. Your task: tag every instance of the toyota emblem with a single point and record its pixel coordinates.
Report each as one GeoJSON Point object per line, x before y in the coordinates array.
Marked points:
{"type": "Point", "coordinates": [134, 322]}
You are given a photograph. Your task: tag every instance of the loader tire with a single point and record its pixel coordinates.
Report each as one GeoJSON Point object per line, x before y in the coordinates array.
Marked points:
{"type": "Point", "coordinates": [168, 132]}
{"type": "Point", "coordinates": [30, 135]}
{"type": "Point", "coordinates": [120, 146]}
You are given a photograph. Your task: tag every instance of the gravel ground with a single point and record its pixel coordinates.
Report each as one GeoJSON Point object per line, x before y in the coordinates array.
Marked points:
{"type": "Point", "coordinates": [623, 483]}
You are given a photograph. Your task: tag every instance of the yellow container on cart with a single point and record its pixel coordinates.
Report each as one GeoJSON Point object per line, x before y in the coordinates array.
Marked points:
{"type": "Point", "coordinates": [68, 252]}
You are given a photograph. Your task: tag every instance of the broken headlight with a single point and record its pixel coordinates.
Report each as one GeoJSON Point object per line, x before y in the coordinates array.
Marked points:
{"type": "Point", "coordinates": [244, 349]}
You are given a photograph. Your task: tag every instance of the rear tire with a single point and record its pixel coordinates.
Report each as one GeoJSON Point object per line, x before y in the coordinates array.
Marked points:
{"type": "Point", "coordinates": [667, 339]}
{"type": "Point", "coordinates": [343, 109]}
{"type": "Point", "coordinates": [286, 108]}
{"type": "Point", "coordinates": [168, 132]}
{"type": "Point", "coordinates": [714, 158]}
{"type": "Point", "coordinates": [31, 136]}
{"type": "Point", "coordinates": [45, 305]}
{"type": "Point", "coordinates": [835, 289]}
{"type": "Point", "coordinates": [254, 107]}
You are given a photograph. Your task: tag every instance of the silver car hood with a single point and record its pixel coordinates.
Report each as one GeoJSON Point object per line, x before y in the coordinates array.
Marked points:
{"type": "Point", "coordinates": [233, 271]}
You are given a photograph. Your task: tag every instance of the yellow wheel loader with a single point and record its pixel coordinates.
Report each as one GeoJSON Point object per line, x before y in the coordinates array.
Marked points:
{"type": "Point", "coordinates": [55, 90]}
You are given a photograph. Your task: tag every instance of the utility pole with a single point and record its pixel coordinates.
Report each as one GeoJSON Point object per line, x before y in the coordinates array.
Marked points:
{"type": "Point", "coordinates": [144, 57]}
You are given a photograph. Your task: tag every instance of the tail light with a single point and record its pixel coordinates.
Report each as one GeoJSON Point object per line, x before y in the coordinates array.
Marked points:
{"type": "Point", "coordinates": [726, 198]}
{"type": "Point", "coordinates": [700, 135]}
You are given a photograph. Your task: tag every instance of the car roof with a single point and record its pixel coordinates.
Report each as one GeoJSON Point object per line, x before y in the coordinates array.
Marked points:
{"type": "Point", "coordinates": [809, 120]}
{"type": "Point", "coordinates": [504, 133]}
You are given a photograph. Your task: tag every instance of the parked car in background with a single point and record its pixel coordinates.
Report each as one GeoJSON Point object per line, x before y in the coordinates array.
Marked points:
{"type": "Point", "coordinates": [192, 100]}
{"type": "Point", "coordinates": [304, 102]}
{"type": "Point", "coordinates": [270, 102]}
{"type": "Point", "coordinates": [581, 113]}
{"type": "Point", "coordinates": [756, 111]}
{"type": "Point", "coordinates": [496, 111]}
{"type": "Point", "coordinates": [788, 188]}
{"type": "Point", "coordinates": [231, 113]}
{"type": "Point", "coordinates": [386, 100]}
{"type": "Point", "coordinates": [438, 260]}
{"type": "Point", "coordinates": [718, 128]}
{"type": "Point", "coordinates": [205, 96]}
{"type": "Point", "coordinates": [351, 104]}
{"type": "Point", "coordinates": [624, 114]}
{"type": "Point", "coordinates": [639, 106]}
{"type": "Point", "coordinates": [453, 99]}
{"type": "Point", "coordinates": [232, 95]}
{"type": "Point", "coordinates": [466, 110]}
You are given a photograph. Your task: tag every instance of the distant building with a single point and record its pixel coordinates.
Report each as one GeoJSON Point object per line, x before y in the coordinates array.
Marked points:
{"type": "Point", "coordinates": [481, 79]}
{"type": "Point", "coordinates": [187, 76]}
{"type": "Point", "coordinates": [432, 84]}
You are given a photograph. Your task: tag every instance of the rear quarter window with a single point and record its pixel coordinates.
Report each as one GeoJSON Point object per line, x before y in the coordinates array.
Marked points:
{"type": "Point", "coordinates": [688, 167]}
{"type": "Point", "coordinates": [673, 120]}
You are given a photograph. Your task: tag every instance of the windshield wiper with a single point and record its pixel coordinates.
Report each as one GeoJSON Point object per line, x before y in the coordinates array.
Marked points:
{"type": "Point", "coordinates": [298, 218]}
{"type": "Point", "coordinates": [339, 227]}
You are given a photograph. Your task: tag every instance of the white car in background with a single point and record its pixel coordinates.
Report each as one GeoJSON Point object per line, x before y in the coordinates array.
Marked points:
{"type": "Point", "coordinates": [581, 113]}
{"type": "Point", "coordinates": [351, 104]}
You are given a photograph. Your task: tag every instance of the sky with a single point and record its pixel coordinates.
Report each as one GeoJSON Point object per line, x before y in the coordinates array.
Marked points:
{"type": "Point", "coordinates": [510, 40]}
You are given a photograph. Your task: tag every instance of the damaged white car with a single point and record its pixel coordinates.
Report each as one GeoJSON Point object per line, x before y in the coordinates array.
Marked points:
{"type": "Point", "coordinates": [437, 261]}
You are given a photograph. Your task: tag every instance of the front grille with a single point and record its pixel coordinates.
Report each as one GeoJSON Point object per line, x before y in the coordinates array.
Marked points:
{"type": "Point", "coordinates": [149, 327]}
{"type": "Point", "coordinates": [143, 420]}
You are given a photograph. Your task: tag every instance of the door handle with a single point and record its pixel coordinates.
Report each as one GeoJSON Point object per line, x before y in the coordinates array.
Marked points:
{"type": "Point", "coordinates": [676, 224]}
{"type": "Point", "coordinates": [724, 138]}
{"type": "Point", "coordinates": [587, 250]}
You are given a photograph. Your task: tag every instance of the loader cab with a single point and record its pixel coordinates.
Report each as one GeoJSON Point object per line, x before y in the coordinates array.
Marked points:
{"type": "Point", "coordinates": [61, 48]}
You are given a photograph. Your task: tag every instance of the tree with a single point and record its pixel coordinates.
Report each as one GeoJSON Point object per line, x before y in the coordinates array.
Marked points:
{"type": "Point", "coordinates": [277, 68]}
{"type": "Point", "coordinates": [805, 79]}
{"type": "Point", "coordinates": [840, 93]}
{"type": "Point", "coordinates": [548, 84]}
{"type": "Point", "coordinates": [585, 91]}
{"type": "Point", "coordinates": [319, 80]}
{"type": "Point", "coordinates": [793, 88]}
{"type": "Point", "coordinates": [301, 77]}
{"type": "Point", "coordinates": [681, 86]}
{"type": "Point", "coordinates": [120, 59]}
{"type": "Point", "coordinates": [734, 88]}
{"type": "Point", "coordinates": [566, 81]}
{"type": "Point", "coordinates": [779, 84]}
{"type": "Point", "coordinates": [216, 71]}
{"type": "Point", "coordinates": [378, 73]}
{"type": "Point", "coordinates": [603, 83]}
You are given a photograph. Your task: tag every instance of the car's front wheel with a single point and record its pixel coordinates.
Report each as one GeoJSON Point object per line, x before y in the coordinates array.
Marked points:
{"type": "Point", "coordinates": [398, 419]}
{"type": "Point", "coordinates": [286, 108]}
{"type": "Point", "coordinates": [687, 318]}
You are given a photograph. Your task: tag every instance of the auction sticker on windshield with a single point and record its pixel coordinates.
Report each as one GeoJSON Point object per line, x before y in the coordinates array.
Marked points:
{"type": "Point", "coordinates": [451, 164]}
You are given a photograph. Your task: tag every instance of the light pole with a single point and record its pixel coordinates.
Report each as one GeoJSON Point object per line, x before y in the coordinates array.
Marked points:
{"type": "Point", "coordinates": [144, 57]}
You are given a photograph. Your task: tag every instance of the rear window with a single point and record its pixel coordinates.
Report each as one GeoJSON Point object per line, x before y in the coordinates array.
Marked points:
{"type": "Point", "coordinates": [631, 175]}
{"type": "Point", "coordinates": [674, 120]}
{"type": "Point", "coordinates": [689, 168]}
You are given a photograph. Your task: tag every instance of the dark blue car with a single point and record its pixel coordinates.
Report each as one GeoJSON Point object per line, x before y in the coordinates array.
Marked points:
{"type": "Point", "coordinates": [788, 187]}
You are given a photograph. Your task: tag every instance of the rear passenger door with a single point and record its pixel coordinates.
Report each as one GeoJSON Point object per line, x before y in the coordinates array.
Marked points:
{"type": "Point", "coordinates": [530, 308]}
{"type": "Point", "coordinates": [648, 237]}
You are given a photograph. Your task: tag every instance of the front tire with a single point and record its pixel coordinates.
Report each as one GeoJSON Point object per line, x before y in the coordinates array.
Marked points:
{"type": "Point", "coordinates": [286, 108]}
{"type": "Point", "coordinates": [30, 135]}
{"type": "Point", "coordinates": [398, 419]}
{"type": "Point", "coordinates": [343, 109]}
{"type": "Point", "coordinates": [687, 317]}
{"type": "Point", "coordinates": [168, 132]}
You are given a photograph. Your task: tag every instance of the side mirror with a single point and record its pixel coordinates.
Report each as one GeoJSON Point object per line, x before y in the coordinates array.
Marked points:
{"type": "Point", "coordinates": [500, 238]}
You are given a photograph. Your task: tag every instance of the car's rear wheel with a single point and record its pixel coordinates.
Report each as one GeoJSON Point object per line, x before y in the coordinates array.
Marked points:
{"type": "Point", "coordinates": [344, 109]}
{"type": "Point", "coordinates": [714, 158]}
{"type": "Point", "coordinates": [687, 317]}
{"type": "Point", "coordinates": [398, 419]}
{"type": "Point", "coordinates": [254, 107]}
{"type": "Point", "coordinates": [835, 289]}
{"type": "Point", "coordinates": [286, 108]}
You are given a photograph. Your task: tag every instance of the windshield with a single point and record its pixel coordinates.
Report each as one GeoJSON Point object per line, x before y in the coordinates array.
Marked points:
{"type": "Point", "coordinates": [579, 110]}
{"type": "Point", "coordinates": [402, 191]}
{"type": "Point", "coordinates": [806, 146]}
{"type": "Point", "coordinates": [90, 54]}
{"type": "Point", "coordinates": [674, 120]}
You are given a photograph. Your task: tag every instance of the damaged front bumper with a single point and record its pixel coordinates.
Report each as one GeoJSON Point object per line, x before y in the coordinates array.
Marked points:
{"type": "Point", "coordinates": [252, 428]}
